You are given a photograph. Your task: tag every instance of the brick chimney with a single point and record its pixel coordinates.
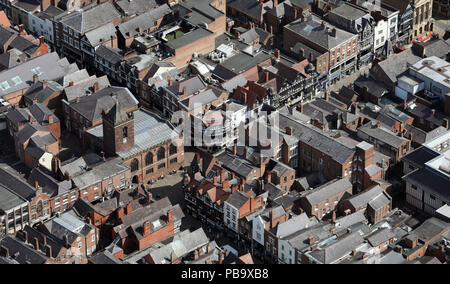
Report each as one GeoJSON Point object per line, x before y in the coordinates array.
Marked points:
{"type": "Point", "coordinates": [36, 184]}
{"type": "Point", "coordinates": [21, 30]}
{"type": "Point", "coordinates": [36, 244]}
{"type": "Point", "coordinates": [327, 96]}
{"type": "Point", "coordinates": [354, 108]}
{"type": "Point", "coordinates": [311, 240]}
{"type": "Point", "coordinates": [445, 123]}
{"type": "Point", "coordinates": [128, 209]}
{"type": "Point", "coordinates": [288, 131]}
{"type": "Point", "coordinates": [170, 216]}
{"type": "Point", "coordinates": [41, 40]}
{"type": "Point", "coordinates": [49, 252]}
{"type": "Point", "coordinates": [95, 87]}
{"type": "Point", "coordinates": [235, 149]}
{"type": "Point", "coordinates": [71, 83]}
{"type": "Point", "coordinates": [334, 32]}
{"type": "Point", "coordinates": [220, 256]}
{"type": "Point", "coordinates": [4, 251]}
{"type": "Point", "coordinates": [50, 118]}
{"type": "Point", "coordinates": [277, 54]}
{"type": "Point", "coordinates": [268, 176]}
{"type": "Point", "coordinates": [66, 241]}
{"type": "Point", "coordinates": [25, 236]}
{"type": "Point", "coordinates": [35, 78]}
{"type": "Point", "coordinates": [246, 152]}
{"type": "Point", "coordinates": [333, 217]}
{"type": "Point", "coordinates": [146, 228]}
{"type": "Point", "coordinates": [68, 177]}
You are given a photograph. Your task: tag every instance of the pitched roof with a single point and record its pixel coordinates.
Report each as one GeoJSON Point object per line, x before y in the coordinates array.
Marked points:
{"type": "Point", "coordinates": [91, 18]}
{"type": "Point", "coordinates": [327, 190]}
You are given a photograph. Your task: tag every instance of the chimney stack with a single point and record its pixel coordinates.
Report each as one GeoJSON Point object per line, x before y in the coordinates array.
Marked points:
{"type": "Point", "coordinates": [35, 78]}
{"type": "Point", "coordinates": [185, 91]}
{"type": "Point", "coordinates": [21, 30]}
{"type": "Point", "coordinates": [170, 216]}
{"type": "Point", "coordinates": [289, 131]}
{"type": "Point", "coordinates": [66, 241]}
{"type": "Point", "coordinates": [36, 244]}
{"type": "Point", "coordinates": [445, 123]}
{"type": "Point", "coordinates": [327, 96]}
{"type": "Point", "coordinates": [354, 108]}
{"type": "Point", "coordinates": [95, 87]}
{"type": "Point", "coordinates": [4, 251]}
{"type": "Point", "coordinates": [268, 177]}
{"type": "Point", "coordinates": [36, 184]}
{"type": "Point", "coordinates": [277, 54]}
{"type": "Point", "coordinates": [246, 152]}
{"type": "Point", "coordinates": [71, 83]}
{"type": "Point", "coordinates": [41, 40]}
{"type": "Point", "coordinates": [49, 251]}
{"type": "Point", "coordinates": [129, 209]}
{"type": "Point", "coordinates": [235, 149]}
{"type": "Point", "coordinates": [334, 32]}
{"type": "Point", "coordinates": [146, 228]}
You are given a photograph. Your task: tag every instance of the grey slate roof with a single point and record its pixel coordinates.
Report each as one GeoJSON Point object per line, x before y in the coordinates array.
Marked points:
{"type": "Point", "coordinates": [327, 190]}
{"type": "Point", "coordinates": [293, 225]}
{"type": "Point", "coordinates": [188, 38]}
{"type": "Point", "coordinates": [9, 200]}
{"type": "Point", "coordinates": [91, 18]}
{"type": "Point", "coordinates": [91, 107]}
{"type": "Point", "coordinates": [21, 252]}
{"type": "Point", "coordinates": [251, 8]}
{"type": "Point", "coordinates": [99, 173]}
{"type": "Point", "coordinates": [103, 33]}
{"type": "Point", "coordinates": [316, 139]}
{"type": "Point", "coordinates": [380, 236]}
{"type": "Point", "coordinates": [16, 185]}
{"type": "Point", "coordinates": [180, 246]}
{"type": "Point", "coordinates": [144, 21]}
{"type": "Point", "coordinates": [374, 196]}
{"type": "Point", "coordinates": [397, 64]}
{"type": "Point", "coordinates": [47, 65]}
{"type": "Point", "coordinates": [339, 249]}
{"type": "Point", "coordinates": [135, 7]}
{"type": "Point", "coordinates": [48, 184]}
{"type": "Point", "coordinates": [237, 199]}
{"type": "Point", "coordinates": [312, 30]}
{"type": "Point", "coordinates": [383, 135]}
{"type": "Point", "coordinates": [85, 88]}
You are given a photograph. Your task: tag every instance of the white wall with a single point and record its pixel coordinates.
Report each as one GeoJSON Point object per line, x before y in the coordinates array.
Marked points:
{"type": "Point", "coordinates": [258, 230]}
{"type": "Point", "coordinates": [286, 253]}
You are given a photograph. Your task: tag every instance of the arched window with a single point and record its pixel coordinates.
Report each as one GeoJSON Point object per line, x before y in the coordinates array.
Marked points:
{"type": "Point", "coordinates": [161, 153]}
{"type": "Point", "coordinates": [173, 149]}
{"type": "Point", "coordinates": [149, 159]}
{"type": "Point", "coordinates": [134, 165]}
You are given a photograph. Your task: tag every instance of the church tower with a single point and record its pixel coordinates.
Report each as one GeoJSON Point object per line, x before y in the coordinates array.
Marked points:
{"type": "Point", "coordinates": [118, 129]}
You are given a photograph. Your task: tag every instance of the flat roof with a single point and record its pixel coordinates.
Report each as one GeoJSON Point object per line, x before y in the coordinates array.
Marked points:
{"type": "Point", "coordinates": [188, 38]}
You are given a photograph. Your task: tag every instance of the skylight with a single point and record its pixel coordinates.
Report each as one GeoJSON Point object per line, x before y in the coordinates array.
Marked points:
{"type": "Point", "coordinates": [16, 80]}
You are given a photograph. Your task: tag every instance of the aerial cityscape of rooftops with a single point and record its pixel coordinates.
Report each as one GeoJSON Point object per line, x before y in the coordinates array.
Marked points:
{"type": "Point", "coordinates": [224, 132]}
